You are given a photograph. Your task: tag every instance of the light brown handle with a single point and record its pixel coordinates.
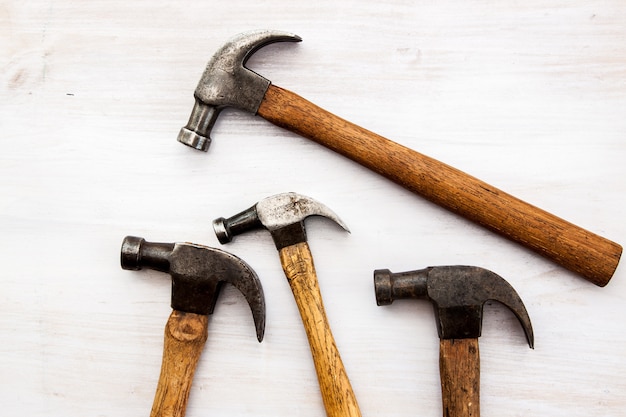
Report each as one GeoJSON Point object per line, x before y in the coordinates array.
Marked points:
{"type": "Point", "coordinates": [459, 369]}
{"type": "Point", "coordinates": [572, 247]}
{"type": "Point", "coordinates": [337, 394]}
{"type": "Point", "coordinates": [185, 335]}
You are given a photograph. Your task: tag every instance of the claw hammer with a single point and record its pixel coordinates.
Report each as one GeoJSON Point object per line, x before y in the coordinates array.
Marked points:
{"type": "Point", "coordinates": [458, 293]}
{"type": "Point", "coordinates": [283, 215]}
{"type": "Point", "coordinates": [226, 82]}
{"type": "Point", "coordinates": [198, 273]}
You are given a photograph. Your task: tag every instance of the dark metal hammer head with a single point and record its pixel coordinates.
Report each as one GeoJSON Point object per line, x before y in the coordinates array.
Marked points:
{"type": "Point", "coordinates": [226, 82]}
{"type": "Point", "coordinates": [198, 273]}
{"type": "Point", "coordinates": [282, 214]}
{"type": "Point", "coordinates": [458, 294]}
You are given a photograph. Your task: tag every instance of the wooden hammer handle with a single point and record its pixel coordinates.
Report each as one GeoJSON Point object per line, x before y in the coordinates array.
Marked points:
{"type": "Point", "coordinates": [574, 248]}
{"type": "Point", "coordinates": [337, 394]}
{"type": "Point", "coordinates": [185, 335]}
{"type": "Point", "coordinates": [459, 370]}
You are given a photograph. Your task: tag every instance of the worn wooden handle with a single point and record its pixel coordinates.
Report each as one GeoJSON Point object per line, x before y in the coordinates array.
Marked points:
{"type": "Point", "coordinates": [574, 248]}
{"type": "Point", "coordinates": [185, 335]}
{"type": "Point", "coordinates": [337, 394]}
{"type": "Point", "coordinates": [459, 369]}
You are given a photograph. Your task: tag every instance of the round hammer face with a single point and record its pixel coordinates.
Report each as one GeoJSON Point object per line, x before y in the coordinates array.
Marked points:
{"type": "Point", "coordinates": [130, 254]}
{"type": "Point", "coordinates": [290, 208]}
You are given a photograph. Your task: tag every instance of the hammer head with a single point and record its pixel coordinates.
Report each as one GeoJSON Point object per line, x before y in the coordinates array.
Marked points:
{"type": "Point", "coordinates": [458, 294]}
{"type": "Point", "coordinates": [198, 273]}
{"type": "Point", "coordinates": [226, 82]}
{"type": "Point", "coordinates": [282, 214]}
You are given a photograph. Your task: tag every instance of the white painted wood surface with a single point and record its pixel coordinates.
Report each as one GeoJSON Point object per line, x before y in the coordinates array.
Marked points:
{"type": "Point", "coordinates": [529, 96]}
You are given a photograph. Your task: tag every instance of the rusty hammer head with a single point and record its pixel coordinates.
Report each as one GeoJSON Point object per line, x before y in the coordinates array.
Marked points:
{"type": "Point", "coordinates": [282, 214]}
{"type": "Point", "coordinates": [226, 82]}
{"type": "Point", "coordinates": [198, 273]}
{"type": "Point", "coordinates": [458, 294]}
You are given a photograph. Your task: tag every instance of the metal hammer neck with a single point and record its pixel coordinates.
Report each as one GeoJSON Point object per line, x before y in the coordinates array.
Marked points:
{"type": "Point", "coordinates": [227, 229]}
{"type": "Point", "coordinates": [197, 132]}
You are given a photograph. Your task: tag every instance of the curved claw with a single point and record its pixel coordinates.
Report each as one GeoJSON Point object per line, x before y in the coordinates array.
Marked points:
{"type": "Point", "coordinates": [227, 82]}
{"type": "Point", "coordinates": [510, 298]}
{"type": "Point", "coordinates": [288, 208]}
{"type": "Point", "coordinates": [241, 47]}
{"type": "Point", "coordinates": [238, 273]}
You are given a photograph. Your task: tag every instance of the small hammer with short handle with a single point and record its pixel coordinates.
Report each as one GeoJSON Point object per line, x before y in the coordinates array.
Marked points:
{"type": "Point", "coordinates": [226, 82]}
{"type": "Point", "coordinates": [198, 273]}
{"type": "Point", "coordinates": [283, 215]}
{"type": "Point", "coordinates": [458, 294]}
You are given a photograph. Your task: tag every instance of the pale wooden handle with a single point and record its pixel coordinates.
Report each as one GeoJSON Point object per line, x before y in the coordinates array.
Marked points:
{"type": "Point", "coordinates": [574, 248]}
{"type": "Point", "coordinates": [185, 335]}
{"type": "Point", "coordinates": [459, 369]}
{"type": "Point", "coordinates": [337, 394]}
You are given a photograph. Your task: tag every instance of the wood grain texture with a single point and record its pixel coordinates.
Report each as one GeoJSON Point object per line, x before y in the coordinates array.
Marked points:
{"type": "Point", "coordinates": [527, 95]}
{"type": "Point", "coordinates": [577, 249]}
{"type": "Point", "coordinates": [185, 336]}
{"type": "Point", "coordinates": [459, 369]}
{"type": "Point", "coordinates": [337, 393]}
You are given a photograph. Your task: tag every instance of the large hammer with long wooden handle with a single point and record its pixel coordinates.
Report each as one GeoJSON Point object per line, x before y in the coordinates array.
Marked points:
{"type": "Point", "coordinates": [226, 82]}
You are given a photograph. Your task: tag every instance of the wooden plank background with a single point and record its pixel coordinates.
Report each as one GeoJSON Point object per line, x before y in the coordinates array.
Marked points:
{"type": "Point", "coordinates": [529, 96]}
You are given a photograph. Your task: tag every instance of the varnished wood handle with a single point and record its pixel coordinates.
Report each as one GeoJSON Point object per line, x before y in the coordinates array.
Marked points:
{"type": "Point", "coordinates": [185, 335]}
{"type": "Point", "coordinates": [583, 252]}
{"type": "Point", "coordinates": [459, 369]}
{"type": "Point", "coordinates": [337, 394]}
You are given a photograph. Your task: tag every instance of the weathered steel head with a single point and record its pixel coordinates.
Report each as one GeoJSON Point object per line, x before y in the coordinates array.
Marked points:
{"type": "Point", "coordinates": [198, 273]}
{"type": "Point", "coordinates": [226, 82]}
{"type": "Point", "coordinates": [282, 214]}
{"type": "Point", "coordinates": [458, 294]}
